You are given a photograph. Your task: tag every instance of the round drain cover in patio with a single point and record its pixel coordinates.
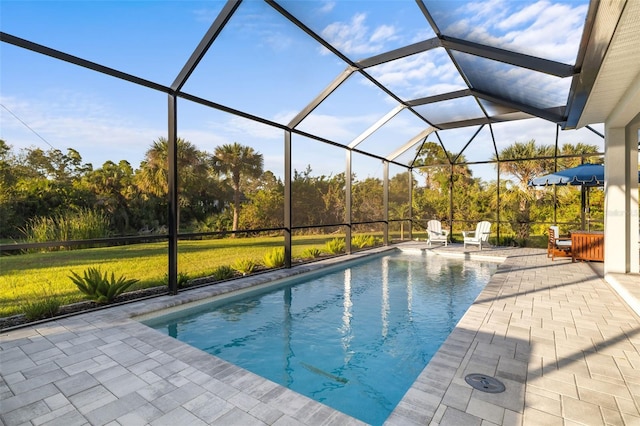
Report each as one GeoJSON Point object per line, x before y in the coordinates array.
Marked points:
{"type": "Point", "coordinates": [484, 383]}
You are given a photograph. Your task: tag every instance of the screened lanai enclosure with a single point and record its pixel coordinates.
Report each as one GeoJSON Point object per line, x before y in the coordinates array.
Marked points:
{"type": "Point", "coordinates": [174, 141]}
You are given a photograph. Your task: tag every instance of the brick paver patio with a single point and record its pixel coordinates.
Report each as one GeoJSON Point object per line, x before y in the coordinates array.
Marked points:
{"type": "Point", "coordinates": [563, 342]}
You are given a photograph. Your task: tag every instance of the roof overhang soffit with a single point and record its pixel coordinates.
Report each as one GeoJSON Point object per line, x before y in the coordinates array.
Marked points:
{"type": "Point", "coordinates": [601, 24]}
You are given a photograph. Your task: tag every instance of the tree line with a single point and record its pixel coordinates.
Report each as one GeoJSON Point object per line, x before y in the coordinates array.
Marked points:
{"type": "Point", "coordinates": [523, 210]}
{"type": "Point", "coordinates": [35, 183]}
{"type": "Point", "coordinates": [228, 189]}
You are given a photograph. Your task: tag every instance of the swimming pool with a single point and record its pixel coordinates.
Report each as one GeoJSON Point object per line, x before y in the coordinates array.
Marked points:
{"type": "Point", "coordinates": [354, 339]}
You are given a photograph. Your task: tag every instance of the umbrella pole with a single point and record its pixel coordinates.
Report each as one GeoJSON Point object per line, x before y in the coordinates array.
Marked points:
{"type": "Point", "coordinates": [555, 205]}
{"type": "Point", "coordinates": [582, 206]}
{"type": "Point", "coordinates": [588, 208]}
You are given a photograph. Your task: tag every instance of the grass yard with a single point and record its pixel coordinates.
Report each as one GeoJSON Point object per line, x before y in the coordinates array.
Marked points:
{"type": "Point", "coordinates": [38, 276]}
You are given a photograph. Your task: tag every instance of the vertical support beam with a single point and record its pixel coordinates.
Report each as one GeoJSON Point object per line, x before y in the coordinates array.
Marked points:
{"type": "Point", "coordinates": [583, 206]}
{"type": "Point", "coordinates": [411, 183]}
{"type": "Point", "coordinates": [451, 202]}
{"type": "Point", "coordinates": [385, 200]}
{"type": "Point", "coordinates": [621, 203]}
{"type": "Point", "coordinates": [555, 169]}
{"type": "Point", "coordinates": [172, 183]}
{"type": "Point", "coordinates": [498, 203]}
{"type": "Point", "coordinates": [633, 194]}
{"type": "Point", "coordinates": [348, 180]}
{"type": "Point", "coordinates": [497, 154]}
{"type": "Point", "coordinates": [287, 199]}
{"type": "Point", "coordinates": [621, 183]}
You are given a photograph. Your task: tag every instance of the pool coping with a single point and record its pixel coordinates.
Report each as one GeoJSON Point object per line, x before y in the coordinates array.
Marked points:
{"type": "Point", "coordinates": [267, 281]}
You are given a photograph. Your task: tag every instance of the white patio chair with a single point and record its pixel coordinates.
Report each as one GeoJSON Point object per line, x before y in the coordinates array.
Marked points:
{"type": "Point", "coordinates": [435, 233]}
{"type": "Point", "coordinates": [479, 236]}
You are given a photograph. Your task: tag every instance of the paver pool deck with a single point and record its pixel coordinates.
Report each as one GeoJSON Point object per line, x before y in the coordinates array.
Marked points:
{"type": "Point", "coordinates": [564, 341]}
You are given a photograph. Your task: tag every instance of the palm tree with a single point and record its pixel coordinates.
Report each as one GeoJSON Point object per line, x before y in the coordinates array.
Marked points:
{"type": "Point", "coordinates": [113, 186]}
{"type": "Point", "coordinates": [577, 150]}
{"type": "Point", "coordinates": [525, 167]}
{"type": "Point", "coordinates": [195, 183]}
{"type": "Point", "coordinates": [235, 161]}
{"type": "Point", "coordinates": [154, 169]}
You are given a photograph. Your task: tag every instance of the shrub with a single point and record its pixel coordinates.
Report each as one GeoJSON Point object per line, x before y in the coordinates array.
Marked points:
{"type": "Point", "coordinates": [363, 240]}
{"type": "Point", "coordinates": [39, 309]}
{"type": "Point", "coordinates": [99, 287]}
{"type": "Point", "coordinates": [183, 279]}
{"type": "Point", "coordinates": [335, 246]}
{"type": "Point", "coordinates": [244, 266]}
{"type": "Point", "coordinates": [41, 305]}
{"type": "Point", "coordinates": [83, 224]}
{"type": "Point", "coordinates": [311, 253]}
{"type": "Point", "coordinates": [223, 272]}
{"type": "Point", "coordinates": [274, 258]}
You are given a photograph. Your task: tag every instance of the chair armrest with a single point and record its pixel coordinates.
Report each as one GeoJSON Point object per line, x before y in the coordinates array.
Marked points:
{"type": "Point", "coordinates": [468, 233]}
{"type": "Point", "coordinates": [445, 232]}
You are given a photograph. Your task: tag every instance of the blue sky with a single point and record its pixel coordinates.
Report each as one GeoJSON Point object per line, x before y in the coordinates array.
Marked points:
{"type": "Point", "coordinates": [263, 65]}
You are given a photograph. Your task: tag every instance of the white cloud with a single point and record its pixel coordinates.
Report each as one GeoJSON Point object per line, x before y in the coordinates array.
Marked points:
{"type": "Point", "coordinates": [525, 15]}
{"type": "Point", "coordinates": [419, 75]}
{"type": "Point", "coordinates": [236, 129]}
{"type": "Point", "coordinates": [328, 126]}
{"type": "Point", "coordinates": [327, 7]}
{"type": "Point", "coordinates": [205, 140]}
{"type": "Point", "coordinates": [356, 38]}
{"type": "Point", "coordinates": [337, 128]}
{"type": "Point", "coordinates": [422, 35]}
{"type": "Point", "coordinates": [544, 29]}
{"type": "Point", "coordinates": [405, 71]}
{"type": "Point", "coordinates": [507, 133]}
{"type": "Point", "coordinates": [382, 33]}
{"type": "Point", "coordinates": [555, 33]}
{"type": "Point", "coordinates": [284, 116]}
{"type": "Point", "coordinates": [488, 13]}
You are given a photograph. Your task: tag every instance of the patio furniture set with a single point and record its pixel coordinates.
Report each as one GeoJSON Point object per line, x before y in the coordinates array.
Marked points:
{"type": "Point", "coordinates": [579, 245]}
{"type": "Point", "coordinates": [435, 234]}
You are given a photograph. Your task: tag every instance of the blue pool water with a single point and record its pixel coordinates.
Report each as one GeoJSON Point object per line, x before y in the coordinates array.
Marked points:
{"type": "Point", "coordinates": [354, 339]}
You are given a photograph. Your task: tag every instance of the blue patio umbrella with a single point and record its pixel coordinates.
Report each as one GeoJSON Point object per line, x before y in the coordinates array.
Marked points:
{"type": "Point", "coordinates": [588, 175]}
{"type": "Point", "coordinates": [585, 174]}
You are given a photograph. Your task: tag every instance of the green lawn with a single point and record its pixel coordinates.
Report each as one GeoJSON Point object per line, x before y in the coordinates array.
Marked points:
{"type": "Point", "coordinates": [40, 275]}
